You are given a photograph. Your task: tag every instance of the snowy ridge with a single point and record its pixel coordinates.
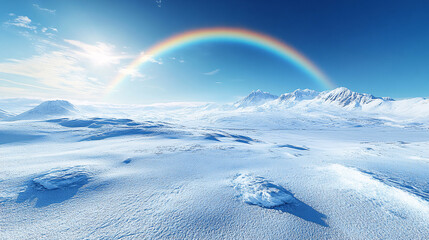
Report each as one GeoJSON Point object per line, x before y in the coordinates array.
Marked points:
{"type": "Point", "coordinates": [340, 96]}
{"type": "Point", "coordinates": [299, 95]}
{"type": "Point", "coordinates": [255, 98]}
{"type": "Point", "coordinates": [345, 97]}
{"type": "Point", "coordinates": [4, 114]}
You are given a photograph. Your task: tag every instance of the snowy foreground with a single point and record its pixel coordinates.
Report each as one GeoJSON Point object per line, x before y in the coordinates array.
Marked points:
{"type": "Point", "coordinates": [304, 165]}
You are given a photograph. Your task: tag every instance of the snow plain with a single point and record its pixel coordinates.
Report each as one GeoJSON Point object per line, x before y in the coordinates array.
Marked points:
{"type": "Point", "coordinates": [297, 168]}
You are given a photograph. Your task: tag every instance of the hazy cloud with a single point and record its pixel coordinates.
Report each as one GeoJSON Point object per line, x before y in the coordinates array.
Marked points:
{"type": "Point", "coordinates": [21, 21]}
{"type": "Point", "coordinates": [52, 11]}
{"type": "Point", "coordinates": [54, 70]}
{"type": "Point", "coordinates": [133, 73]}
{"type": "Point", "coordinates": [65, 71]}
{"type": "Point", "coordinates": [212, 72]}
{"type": "Point", "coordinates": [100, 53]}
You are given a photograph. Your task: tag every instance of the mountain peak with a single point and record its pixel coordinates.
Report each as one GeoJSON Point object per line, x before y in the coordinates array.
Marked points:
{"type": "Point", "coordinates": [346, 97]}
{"type": "Point", "coordinates": [255, 98]}
{"type": "Point", "coordinates": [299, 94]}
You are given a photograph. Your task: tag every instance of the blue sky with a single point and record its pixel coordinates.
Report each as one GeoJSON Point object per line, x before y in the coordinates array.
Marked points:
{"type": "Point", "coordinates": [73, 49]}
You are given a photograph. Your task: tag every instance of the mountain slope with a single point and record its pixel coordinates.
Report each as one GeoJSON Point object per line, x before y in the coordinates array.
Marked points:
{"type": "Point", "coordinates": [255, 98]}
{"type": "Point", "coordinates": [344, 97]}
{"type": "Point", "coordinates": [4, 114]}
{"type": "Point", "coordinates": [299, 95]}
{"type": "Point", "coordinates": [48, 109]}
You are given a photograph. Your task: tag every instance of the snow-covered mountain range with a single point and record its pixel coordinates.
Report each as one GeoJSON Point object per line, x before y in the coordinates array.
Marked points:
{"type": "Point", "coordinates": [340, 96]}
{"type": "Point", "coordinates": [306, 104]}
{"type": "Point", "coordinates": [337, 99]}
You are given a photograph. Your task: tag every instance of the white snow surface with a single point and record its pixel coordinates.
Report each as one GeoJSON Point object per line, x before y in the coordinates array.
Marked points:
{"type": "Point", "coordinates": [330, 165]}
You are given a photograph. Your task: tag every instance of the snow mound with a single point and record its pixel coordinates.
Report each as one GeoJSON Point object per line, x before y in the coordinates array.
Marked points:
{"type": "Point", "coordinates": [259, 191]}
{"type": "Point", "coordinates": [62, 178]}
{"type": "Point", "coordinates": [255, 98]}
{"type": "Point", "coordinates": [48, 109]}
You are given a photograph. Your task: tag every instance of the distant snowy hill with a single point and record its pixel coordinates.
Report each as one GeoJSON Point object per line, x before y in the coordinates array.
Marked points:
{"type": "Point", "coordinates": [4, 114]}
{"type": "Point", "coordinates": [255, 98]}
{"type": "Point", "coordinates": [48, 109]}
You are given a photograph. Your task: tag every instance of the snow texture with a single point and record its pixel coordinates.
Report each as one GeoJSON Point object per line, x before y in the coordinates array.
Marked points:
{"type": "Point", "coordinates": [357, 166]}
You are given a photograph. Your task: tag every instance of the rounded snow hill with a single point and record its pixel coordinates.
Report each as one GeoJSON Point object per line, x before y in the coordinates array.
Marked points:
{"type": "Point", "coordinates": [48, 109]}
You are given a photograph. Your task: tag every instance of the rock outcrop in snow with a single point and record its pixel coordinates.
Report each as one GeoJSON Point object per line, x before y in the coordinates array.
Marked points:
{"type": "Point", "coordinates": [62, 178]}
{"type": "Point", "coordinates": [259, 191]}
{"type": "Point", "coordinates": [48, 109]}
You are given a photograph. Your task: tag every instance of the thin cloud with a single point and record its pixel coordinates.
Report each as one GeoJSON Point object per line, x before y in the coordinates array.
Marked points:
{"type": "Point", "coordinates": [21, 21]}
{"type": "Point", "coordinates": [52, 11]}
{"type": "Point", "coordinates": [67, 70]}
{"type": "Point", "coordinates": [133, 73]}
{"type": "Point", "coordinates": [63, 67]}
{"type": "Point", "coordinates": [180, 60]}
{"type": "Point", "coordinates": [100, 53]}
{"type": "Point", "coordinates": [24, 84]}
{"type": "Point", "coordinates": [150, 58]}
{"type": "Point", "coordinates": [57, 70]}
{"type": "Point", "coordinates": [212, 72]}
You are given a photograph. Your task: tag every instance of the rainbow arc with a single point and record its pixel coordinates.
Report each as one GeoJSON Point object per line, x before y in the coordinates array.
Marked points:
{"type": "Point", "coordinates": [222, 34]}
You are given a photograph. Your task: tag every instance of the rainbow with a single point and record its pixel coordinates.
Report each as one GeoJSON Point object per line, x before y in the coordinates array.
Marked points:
{"type": "Point", "coordinates": [239, 35]}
